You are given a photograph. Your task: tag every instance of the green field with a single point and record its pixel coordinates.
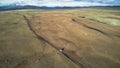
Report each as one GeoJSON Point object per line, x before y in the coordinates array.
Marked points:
{"type": "Point", "coordinates": [21, 48]}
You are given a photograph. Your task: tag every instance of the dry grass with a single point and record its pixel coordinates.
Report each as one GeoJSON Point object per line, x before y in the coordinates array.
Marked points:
{"type": "Point", "coordinates": [83, 35]}
{"type": "Point", "coordinates": [20, 48]}
{"type": "Point", "coordinates": [82, 39]}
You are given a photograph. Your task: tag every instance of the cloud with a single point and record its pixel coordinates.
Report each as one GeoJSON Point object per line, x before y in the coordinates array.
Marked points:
{"type": "Point", "coordinates": [52, 3]}
{"type": "Point", "coordinates": [71, 4]}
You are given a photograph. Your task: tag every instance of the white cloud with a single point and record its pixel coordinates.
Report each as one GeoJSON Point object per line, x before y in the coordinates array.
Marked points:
{"type": "Point", "coordinates": [53, 3]}
{"type": "Point", "coordinates": [108, 0]}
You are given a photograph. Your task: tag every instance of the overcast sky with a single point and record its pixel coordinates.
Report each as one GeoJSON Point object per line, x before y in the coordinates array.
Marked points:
{"type": "Point", "coordinates": [53, 3]}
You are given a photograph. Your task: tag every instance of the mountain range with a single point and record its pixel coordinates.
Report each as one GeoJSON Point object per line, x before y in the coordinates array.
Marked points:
{"type": "Point", "coordinates": [18, 7]}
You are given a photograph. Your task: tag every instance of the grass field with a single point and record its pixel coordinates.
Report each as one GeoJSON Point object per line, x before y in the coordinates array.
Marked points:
{"type": "Point", "coordinates": [111, 17]}
{"type": "Point", "coordinates": [20, 48]}
{"type": "Point", "coordinates": [90, 38]}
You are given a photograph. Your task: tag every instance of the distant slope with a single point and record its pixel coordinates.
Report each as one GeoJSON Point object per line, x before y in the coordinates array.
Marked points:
{"type": "Point", "coordinates": [18, 7]}
{"type": "Point", "coordinates": [5, 8]}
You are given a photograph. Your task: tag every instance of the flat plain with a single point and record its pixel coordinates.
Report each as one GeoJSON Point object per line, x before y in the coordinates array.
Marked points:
{"type": "Point", "coordinates": [63, 38]}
